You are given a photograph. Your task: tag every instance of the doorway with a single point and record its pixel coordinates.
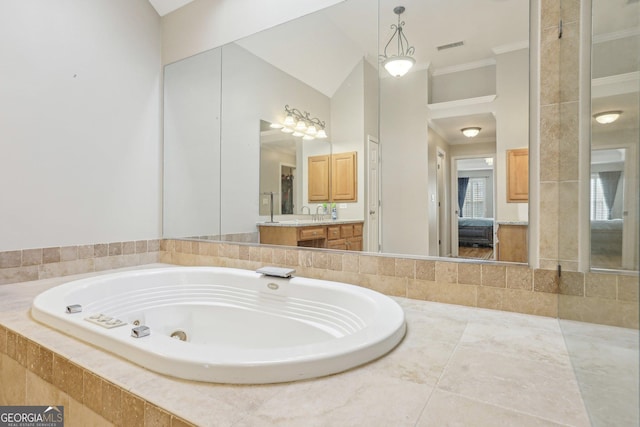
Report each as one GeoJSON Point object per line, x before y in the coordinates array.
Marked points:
{"type": "Point", "coordinates": [473, 220]}
{"type": "Point", "coordinates": [373, 195]}
{"type": "Point", "coordinates": [288, 202]}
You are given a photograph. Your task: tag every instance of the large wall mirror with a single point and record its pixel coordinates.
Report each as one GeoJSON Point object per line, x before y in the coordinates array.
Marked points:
{"type": "Point", "coordinates": [433, 163]}
{"type": "Point", "coordinates": [615, 135]}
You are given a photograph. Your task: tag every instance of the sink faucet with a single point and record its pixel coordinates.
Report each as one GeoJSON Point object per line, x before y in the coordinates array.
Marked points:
{"type": "Point", "coordinates": [319, 216]}
{"type": "Point", "coordinates": [308, 210]}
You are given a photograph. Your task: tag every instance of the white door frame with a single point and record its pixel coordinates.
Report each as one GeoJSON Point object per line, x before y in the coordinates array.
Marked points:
{"type": "Point", "coordinates": [373, 229]}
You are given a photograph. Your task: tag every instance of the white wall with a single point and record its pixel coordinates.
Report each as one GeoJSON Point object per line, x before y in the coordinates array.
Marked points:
{"type": "Point", "coordinates": [512, 125]}
{"type": "Point", "coordinates": [403, 171]}
{"type": "Point", "coordinates": [463, 84]}
{"type": "Point", "coordinates": [80, 152]}
{"type": "Point", "coordinates": [205, 24]}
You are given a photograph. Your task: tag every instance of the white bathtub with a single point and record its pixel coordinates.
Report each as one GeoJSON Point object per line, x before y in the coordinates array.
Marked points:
{"type": "Point", "coordinates": [241, 327]}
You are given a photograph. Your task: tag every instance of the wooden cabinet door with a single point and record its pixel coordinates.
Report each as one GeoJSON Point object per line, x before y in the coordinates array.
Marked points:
{"type": "Point", "coordinates": [518, 175]}
{"type": "Point", "coordinates": [344, 181]}
{"type": "Point", "coordinates": [318, 178]}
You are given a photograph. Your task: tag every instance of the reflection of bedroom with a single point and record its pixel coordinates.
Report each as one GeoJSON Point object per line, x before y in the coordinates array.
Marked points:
{"type": "Point", "coordinates": [607, 207]}
{"type": "Point", "coordinates": [475, 208]}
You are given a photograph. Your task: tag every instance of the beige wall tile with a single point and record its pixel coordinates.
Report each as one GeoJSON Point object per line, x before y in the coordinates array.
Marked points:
{"type": "Point", "coordinates": [77, 414]}
{"type": "Point", "coordinates": [66, 268]}
{"type": "Point", "coordinates": [387, 266]}
{"type": "Point", "coordinates": [569, 142]}
{"type": "Point", "coordinates": [178, 422]}
{"type": "Point", "coordinates": [68, 253]}
{"type": "Point", "coordinates": [115, 248]}
{"type": "Point", "coordinates": [156, 417]}
{"type": "Point", "coordinates": [450, 293]}
{"type": "Point", "coordinates": [68, 377]}
{"type": "Point", "coordinates": [244, 252]}
{"type": "Point", "coordinates": [128, 248]}
{"type": "Point", "coordinates": [153, 245]}
{"type": "Point", "coordinates": [549, 142]}
{"type": "Point", "coordinates": [227, 250]}
{"type": "Point", "coordinates": [627, 289]}
{"type": "Point", "coordinates": [569, 62]}
{"type": "Point", "coordinates": [335, 261]}
{"type": "Point", "coordinates": [469, 274]}
{"type": "Point", "coordinates": [255, 253]}
{"type": "Point", "coordinates": [550, 13]}
{"type": "Point", "coordinates": [549, 220]}
{"type": "Point", "coordinates": [141, 246]}
{"type": "Point", "coordinates": [538, 303]}
{"type": "Point", "coordinates": [405, 268]}
{"type": "Point", "coordinates": [320, 260]}
{"type": "Point", "coordinates": [567, 224]}
{"type": "Point", "coordinates": [519, 277]}
{"type": "Point", "coordinates": [395, 286]}
{"type": "Point", "coordinates": [92, 391]}
{"type": "Point", "coordinates": [599, 310]}
{"type": "Point", "coordinates": [34, 256]}
{"type": "Point", "coordinates": [545, 281]}
{"type": "Point", "coordinates": [425, 270]}
{"type": "Point", "coordinates": [367, 264]}
{"type": "Point", "coordinates": [12, 392]}
{"type": "Point", "coordinates": [350, 262]}
{"type": "Point", "coordinates": [21, 350]}
{"type": "Point", "coordinates": [292, 257]}
{"type": "Point", "coordinates": [50, 255]}
{"type": "Point", "coordinates": [305, 258]}
{"type": "Point", "coordinates": [11, 344]}
{"type": "Point", "coordinates": [18, 274]}
{"type": "Point", "coordinates": [101, 249]}
{"type": "Point", "coordinates": [550, 66]}
{"type": "Point", "coordinates": [600, 285]}
{"type": "Point", "coordinates": [266, 255]}
{"type": "Point", "coordinates": [39, 391]}
{"type": "Point", "coordinates": [279, 256]}
{"type": "Point", "coordinates": [491, 297]}
{"type": "Point", "coordinates": [132, 410]}
{"type": "Point", "coordinates": [446, 272]}
{"type": "Point", "coordinates": [571, 283]}
{"type": "Point", "coordinates": [494, 275]}
{"type": "Point", "coordinates": [10, 259]}
{"type": "Point", "coordinates": [111, 402]}
{"type": "Point", "coordinates": [3, 340]}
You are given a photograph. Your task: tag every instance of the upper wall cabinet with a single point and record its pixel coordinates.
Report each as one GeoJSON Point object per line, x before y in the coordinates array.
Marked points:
{"type": "Point", "coordinates": [318, 178]}
{"type": "Point", "coordinates": [518, 175]}
{"type": "Point", "coordinates": [344, 181]}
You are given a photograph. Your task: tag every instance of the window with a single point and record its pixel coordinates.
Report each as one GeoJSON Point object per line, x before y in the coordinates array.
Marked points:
{"type": "Point", "coordinates": [598, 209]}
{"type": "Point", "coordinates": [475, 199]}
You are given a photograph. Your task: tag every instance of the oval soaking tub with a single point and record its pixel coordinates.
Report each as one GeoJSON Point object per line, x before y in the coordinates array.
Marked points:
{"type": "Point", "coordinates": [226, 325]}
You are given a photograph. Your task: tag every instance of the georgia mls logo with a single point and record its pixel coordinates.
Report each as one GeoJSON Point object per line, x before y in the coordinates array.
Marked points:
{"type": "Point", "coordinates": [31, 416]}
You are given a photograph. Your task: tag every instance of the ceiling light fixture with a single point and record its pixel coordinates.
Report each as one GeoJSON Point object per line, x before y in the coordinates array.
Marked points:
{"type": "Point", "coordinates": [300, 123]}
{"type": "Point", "coordinates": [470, 132]}
{"type": "Point", "coordinates": [607, 117]}
{"type": "Point", "coordinates": [399, 64]}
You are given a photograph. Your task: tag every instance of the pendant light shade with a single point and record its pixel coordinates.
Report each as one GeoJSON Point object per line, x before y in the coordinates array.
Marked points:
{"type": "Point", "coordinates": [400, 63]}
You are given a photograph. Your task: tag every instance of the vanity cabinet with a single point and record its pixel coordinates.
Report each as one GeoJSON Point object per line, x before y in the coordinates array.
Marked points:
{"type": "Point", "coordinates": [347, 237]}
{"type": "Point", "coordinates": [518, 175]}
{"type": "Point", "coordinates": [343, 236]}
{"type": "Point", "coordinates": [338, 172]}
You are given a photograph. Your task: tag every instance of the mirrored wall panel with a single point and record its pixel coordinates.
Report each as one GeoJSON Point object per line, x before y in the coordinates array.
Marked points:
{"type": "Point", "coordinates": [615, 135]}
{"type": "Point", "coordinates": [316, 132]}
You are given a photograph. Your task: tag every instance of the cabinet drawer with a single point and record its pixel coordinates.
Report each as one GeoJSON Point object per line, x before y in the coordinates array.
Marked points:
{"type": "Point", "coordinates": [311, 233]}
{"type": "Point", "coordinates": [354, 244]}
{"type": "Point", "coordinates": [333, 232]}
{"type": "Point", "coordinates": [346, 231]}
{"type": "Point", "coordinates": [340, 244]}
{"type": "Point", "coordinates": [357, 230]}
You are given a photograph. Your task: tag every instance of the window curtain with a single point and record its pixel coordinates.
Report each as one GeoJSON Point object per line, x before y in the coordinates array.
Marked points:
{"type": "Point", "coordinates": [609, 181]}
{"type": "Point", "coordinates": [463, 183]}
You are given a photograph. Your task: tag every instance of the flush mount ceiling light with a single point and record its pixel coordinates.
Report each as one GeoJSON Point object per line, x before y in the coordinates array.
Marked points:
{"type": "Point", "coordinates": [470, 132]}
{"type": "Point", "coordinates": [397, 65]}
{"type": "Point", "coordinates": [301, 124]}
{"type": "Point", "coordinates": [607, 117]}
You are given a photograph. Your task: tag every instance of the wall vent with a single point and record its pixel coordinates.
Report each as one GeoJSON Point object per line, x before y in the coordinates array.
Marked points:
{"type": "Point", "coordinates": [450, 45]}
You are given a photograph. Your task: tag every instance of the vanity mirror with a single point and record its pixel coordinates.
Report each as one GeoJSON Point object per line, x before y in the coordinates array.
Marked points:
{"type": "Point", "coordinates": [403, 134]}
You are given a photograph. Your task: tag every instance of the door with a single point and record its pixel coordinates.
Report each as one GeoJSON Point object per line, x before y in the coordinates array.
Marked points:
{"type": "Point", "coordinates": [373, 196]}
{"type": "Point", "coordinates": [441, 201]}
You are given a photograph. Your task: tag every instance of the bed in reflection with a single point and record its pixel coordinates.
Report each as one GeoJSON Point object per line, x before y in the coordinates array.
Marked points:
{"type": "Point", "coordinates": [475, 232]}
{"type": "Point", "coordinates": [606, 237]}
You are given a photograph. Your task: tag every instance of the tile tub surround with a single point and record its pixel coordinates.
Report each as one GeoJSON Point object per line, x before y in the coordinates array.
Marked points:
{"type": "Point", "coordinates": [43, 263]}
{"type": "Point", "coordinates": [609, 299]}
{"type": "Point", "coordinates": [500, 368]}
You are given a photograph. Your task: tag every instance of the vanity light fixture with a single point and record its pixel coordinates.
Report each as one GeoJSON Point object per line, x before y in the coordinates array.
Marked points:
{"type": "Point", "coordinates": [301, 124]}
{"type": "Point", "coordinates": [607, 117]}
{"type": "Point", "coordinates": [470, 132]}
{"type": "Point", "coordinates": [399, 64]}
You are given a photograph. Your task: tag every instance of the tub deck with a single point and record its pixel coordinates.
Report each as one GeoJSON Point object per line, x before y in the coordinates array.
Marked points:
{"type": "Point", "coordinates": [456, 364]}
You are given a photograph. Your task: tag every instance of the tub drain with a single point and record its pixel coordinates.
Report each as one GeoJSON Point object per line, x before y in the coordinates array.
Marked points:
{"type": "Point", "coordinates": [179, 335]}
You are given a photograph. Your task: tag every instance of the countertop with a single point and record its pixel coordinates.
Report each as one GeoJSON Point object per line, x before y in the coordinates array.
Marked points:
{"type": "Point", "coordinates": [307, 223]}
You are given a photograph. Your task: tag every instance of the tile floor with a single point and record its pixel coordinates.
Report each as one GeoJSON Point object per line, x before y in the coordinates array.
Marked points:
{"type": "Point", "coordinates": [457, 366]}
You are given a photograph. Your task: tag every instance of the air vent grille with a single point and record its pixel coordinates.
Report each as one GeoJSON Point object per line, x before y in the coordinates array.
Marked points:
{"type": "Point", "coordinates": [451, 45]}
